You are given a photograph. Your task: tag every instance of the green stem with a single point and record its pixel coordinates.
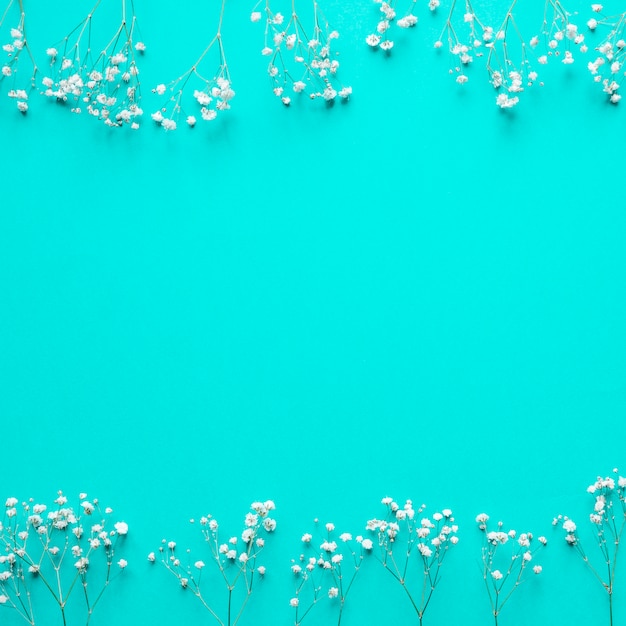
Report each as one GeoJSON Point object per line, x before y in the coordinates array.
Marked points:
{"type": "Point", "coordinates": [230, 597]}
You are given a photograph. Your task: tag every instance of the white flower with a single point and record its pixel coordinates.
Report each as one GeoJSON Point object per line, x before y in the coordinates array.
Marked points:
{"type": "Point", "coordinates": [367, 544]}
{"type": "Point", "coordinates": [294, 602]}
{"type": "Point", "coordinates": [81, 564]}
{"type": "Point", "coordinates": [122, 563]}
{"type": "Point", "coordinates": [569, 526]}
{"type": "Point", "coordinates": [261, 570]}
{"type": "Point", "coordinates": [121, 528]}
{"type": "Point", "coordinates": [370, 40]}
{"type": "Point", "coordinates": [328, 546]}
{"type": "Point", "coordinates": [333, 592]}
{"type": "Point", "coordinates": [3, 599]}
{"type": "Point", "coordinates": [152, 557]}
{"type": "Point", "coordinates": [537, 569]}
{"type": "Point", "coordinates": [255, 16]}
{"type": "Point", "coordinates": [408, 21]}
{"type": "Point", "coordinates": [424, 550]}
{"type": "Point", "coordinates": [505, 102]}
{"type": "Point", "coordinates": [496, 574]}
{"type": "Point", "coordinates": [191, 120]}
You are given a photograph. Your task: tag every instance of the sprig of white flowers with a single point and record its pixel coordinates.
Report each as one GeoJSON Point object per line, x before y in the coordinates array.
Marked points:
{"type": "Point", "coordinates": [510, 71]}
{"type": "Point", "coordinates": [61, 547]}
{"type": "Point", "coordinates": [107, 86]}
{"type": "Point", "coordinates": [235, 559]}
{"type": "Point", "coordinates": [414, 547]}
{"type": "Point", "coordinates": [330, 572]}
{"type": "Point", "coordinates": [387, 23]}
{"type": "Point", "coordinates": [299, 63]}
{"type": "Point", "coordinates": [212, 93]}
{"type": "Point", "coordinates": [609, 521]}
{"type": "Point", "coordinates": [14, 45]}
{"type": "Point", "coordinates": [607, 68]}
{"type": "Point", "coordinates": [466, 36]}
{"type": "Point", "coordinates": [559, 36]}
{"type": "Point", "coordinates": [503, 574]}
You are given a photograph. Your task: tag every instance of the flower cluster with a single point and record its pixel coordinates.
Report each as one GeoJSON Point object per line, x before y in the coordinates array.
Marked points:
{"type": "Point", "coordinates": [212, 93]}
{"type": "Point", "coordinates": [235, 559]}
{"type": "Point", "coordinates": [60, 546]}
{"type": "Point", "coordinates": [387, 20]}
{"type": "Point", "coordinates": [14, 45]}
{"type": "Point", "coordinates": [466, 36]}
{"type": "Point", "coordinates": [413, 545]}
{"type": "Point", "coordinates": [108, 86]}
{"type": "Point", "coordinates": [607, 68]}
{"type": "Point", "coordinates": [508, 60]}
{"type": "Point", "coordinates": [608, 519]}
{"type": "Point", "coordinates": [509, 67]}
{"type": "Point", "coordinates": [503, 573]}
{"type": "Point", "coordinates": [300, 64]}
{"type": "Point", "coordinates": [328, 571]}
{"type": "Point", "coordinates": [559, 35]}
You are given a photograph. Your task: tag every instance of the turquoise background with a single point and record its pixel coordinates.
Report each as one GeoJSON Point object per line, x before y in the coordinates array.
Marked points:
{"type": "Point", "coordinates": [413, 294]}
